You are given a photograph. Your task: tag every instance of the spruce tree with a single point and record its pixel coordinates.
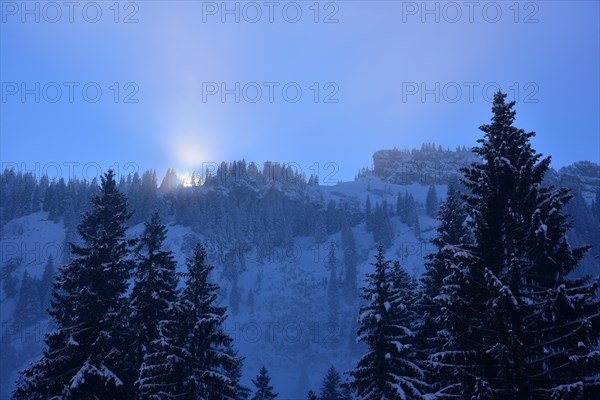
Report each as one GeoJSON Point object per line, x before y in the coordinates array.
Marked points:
{"type": "Point", "coordinates": [264, 390]}
{"type": "Point", "coordinates": [404, 204]}
{"type": "Point", "coordinates": [408, 212]}
{"type": "Point", "coordinates": [46, 284]}
{"type": "Point", "coordinates": [519, 326]}
{"type": "Point", "coordinates": [9, 280]}
{"type": "Point", "coordinates": [330, 388]}
{"type": "Point", "coordinates": [36, 200]}
{"type": "Point", "coordinates": [368, 215]}
{"type": "Point", "coordinates": [417, 227]}
{"type": "Point", "coordinates": [388, 369]}
{"type": "Point", "coordinates": [333, 296]}
{"type": "Point", "coordinates": [163, 372]}
{"type": "Point", "coordinates": [452, 232]}
{"type": "Point", "coordinates": [151, 318]}
{"type": "Point", "coordinates": [210, 365]}
{"type": "Point", "coordinates": [399, 204]}
{"type": "Point", "coordinates": [155, 282]}
{"type": "Point", "coordinates": [84, 355]}
{"type": "Point", "coordinates": [383, 231]}
{"type": "Point", "coordinates": [320, 228]}
{"type": "Point", "coordinates": [311, 396]}
{"type": "Point", "coordinates": [431, 202]}
{"type": "Point", "coordinates": [28, 307]}
{"type": "Point", "coordinates": [350, 264]}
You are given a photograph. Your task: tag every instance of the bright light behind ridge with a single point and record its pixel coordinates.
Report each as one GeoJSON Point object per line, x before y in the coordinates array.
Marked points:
{"type": "Point", "coordinates": [185, 178]}
{"type": "Point", "coordinates": [189, 150]}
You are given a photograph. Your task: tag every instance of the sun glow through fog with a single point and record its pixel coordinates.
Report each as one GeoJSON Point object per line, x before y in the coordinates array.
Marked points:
{"type": "Point", "coordinates": [189, 151]}
{"type": "Point", "coordinates": [185, 178]}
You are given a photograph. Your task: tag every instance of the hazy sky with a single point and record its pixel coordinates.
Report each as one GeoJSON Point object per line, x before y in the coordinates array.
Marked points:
{"type": "Point", "coordinates": [372, 75]}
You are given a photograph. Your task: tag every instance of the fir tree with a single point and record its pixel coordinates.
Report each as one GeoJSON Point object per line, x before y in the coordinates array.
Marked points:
{"type": "Point", "coordinates": [368, 215]}
{"type": "Point", "coordinates": [383, 232]}
{"type": "Point", "coordinates": [28, 307]}
{"type": "Point", "coordinates": [85, 354]}
{"type": "Point", "coordinates": [408, 212]}
{"type": "Point", "coordinates": [431, 202]}
{"type": "Point", "coordinates": [518, 326]}
{"type": "Point", "coordinates": [350, 263]}
{"type": "Point", "coordinates": [332, 217]}
{"type": "Point", "coordinates": [209, 362]}
{"type": "Point", "coordinates": [333, 296]}
{"type": "Point", "coordinates": [320, 228]}
{"type": "Point", "coordinates": [387, 370]}
{"type": "Point", "coordinates": [46, 284]}
{"type": "Point", "coordinates": [170, 181]}
{"type": "Point", "coordinates": [330, 388]}
{"type": "Point", "coordinates": [151, 319]}
{"type": "Point", "coordinates": [417, 226]}
{"type": "Point", "coordinates": [7, 275]}
{"type": "Point", "coordinates": [311, 396]}
{"type": "Point", "coordinates": [264, 390]}
{"type": "Point", "coordinates": [452, 232]}
{"type": "Point", "coordinates": [399, 204]}
{"type": "Point", "coordinates": [36, 200]}
{"type": "Point", "coordinates": [163, 372]}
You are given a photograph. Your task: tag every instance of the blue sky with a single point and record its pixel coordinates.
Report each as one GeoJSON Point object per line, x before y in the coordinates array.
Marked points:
{"type": "Point", "coordinates": [375, 61]}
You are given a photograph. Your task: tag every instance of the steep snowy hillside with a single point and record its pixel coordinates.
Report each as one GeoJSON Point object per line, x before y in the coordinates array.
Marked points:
{"type": "Point", "coordinates": [278, 308]}
{"type": "Point", "coordinates": [26, 245]}
{"type": "Point", "coordinates": [281, 247]}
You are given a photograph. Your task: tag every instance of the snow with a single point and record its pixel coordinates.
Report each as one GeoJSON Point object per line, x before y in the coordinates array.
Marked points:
{"type": "Point", "coordinates": [79, 377]}
{"type": "Point", "coordinates": [72, 341]}
{"type": "Point", "coordinates": [289, 316]}
{"type": "Point", "coordinates": [34, 238]}
{"type": "Point", "coordinates": [442, 298]}
{"type": "Point", "coordinates": [542, 230]}
{"type": "Point", "coordinates": [89, 369]}
{"type": "Point", "coordinates": [400, 346]}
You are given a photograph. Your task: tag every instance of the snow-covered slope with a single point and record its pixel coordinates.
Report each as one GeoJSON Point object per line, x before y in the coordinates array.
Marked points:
{"type": "Point", "coordinates": [278, 306]}
{"type": "Point", "coordinates": [284, 323]}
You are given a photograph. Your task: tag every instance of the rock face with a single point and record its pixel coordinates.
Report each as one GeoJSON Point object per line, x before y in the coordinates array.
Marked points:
{"type": "Point", "coordinates": [431, 165]}
{"type": "Point", "coordinates": [584, 174]}
{"type": "Point", "coordinates": [426, 166]}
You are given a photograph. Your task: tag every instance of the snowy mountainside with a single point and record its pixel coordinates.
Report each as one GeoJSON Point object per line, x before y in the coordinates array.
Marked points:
{"type": "Point", "coordinates": [281, 316]}
{"type": "Point", "coordinates": [26, 244]}
{"type": "Point", "coordinates": [269, 235]}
